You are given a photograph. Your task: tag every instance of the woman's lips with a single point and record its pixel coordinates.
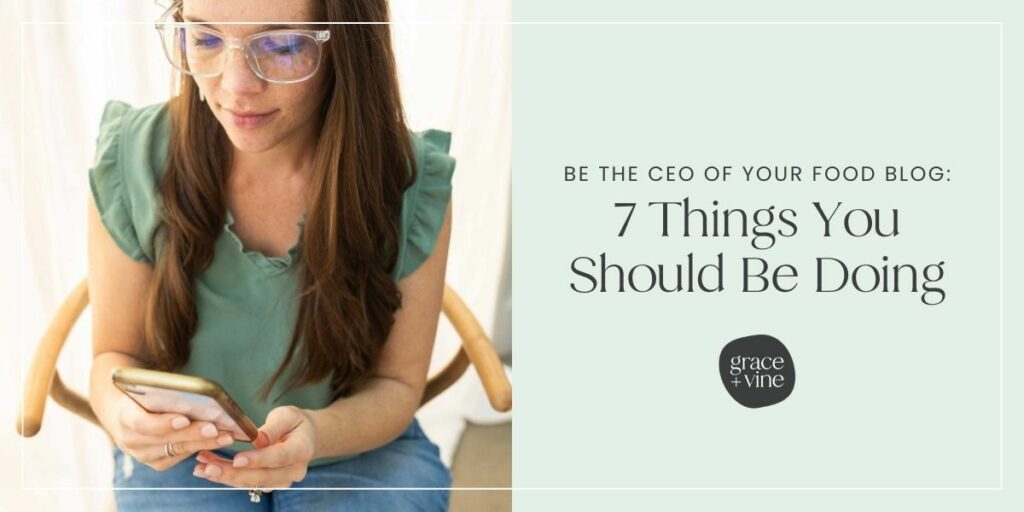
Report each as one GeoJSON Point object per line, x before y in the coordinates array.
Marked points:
{"type": "Point", "coordinates": [248, 121]}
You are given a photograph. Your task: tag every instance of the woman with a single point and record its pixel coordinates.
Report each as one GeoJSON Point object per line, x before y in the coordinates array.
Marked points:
{"type": "Point", "coordinates": [274, 227]}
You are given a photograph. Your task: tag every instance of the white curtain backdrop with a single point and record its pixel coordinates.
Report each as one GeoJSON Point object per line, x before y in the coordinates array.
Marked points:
{"type": "Point", "coordinates": [71, 56]}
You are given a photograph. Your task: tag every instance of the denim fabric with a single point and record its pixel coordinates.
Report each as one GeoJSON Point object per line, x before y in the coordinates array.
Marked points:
{"type": "Point", "coordinates": [411, 460]}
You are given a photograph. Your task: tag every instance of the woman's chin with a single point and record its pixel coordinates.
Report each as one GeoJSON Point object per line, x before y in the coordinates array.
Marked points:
{"type": "Point", "coordinates": [250, 142]}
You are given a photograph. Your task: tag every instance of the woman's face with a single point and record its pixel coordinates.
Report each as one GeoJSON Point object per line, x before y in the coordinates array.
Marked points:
{"type": "Point", "coordinates": [258, 115]}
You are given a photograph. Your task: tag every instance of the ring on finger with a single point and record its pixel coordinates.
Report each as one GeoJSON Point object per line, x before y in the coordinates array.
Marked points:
{"type": "Point", "coordinates": [173, 449]}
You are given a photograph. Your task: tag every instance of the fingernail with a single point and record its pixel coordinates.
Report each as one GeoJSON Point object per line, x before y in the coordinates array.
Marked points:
{"type": "Point", "coordinates": [212, 470]}
{"type": "Point", "coordinates": [224, 440]}
{"type": "Point", "coordinates": [209, 430]}
{"type": "Point", "coordinates": [202, 459]}
{"type": "Point", "coordinates": [240, 461]}
{"type": "Point", "coordinates": [180, 422]}
{"type": "Point", "coordinates": [198, 471]}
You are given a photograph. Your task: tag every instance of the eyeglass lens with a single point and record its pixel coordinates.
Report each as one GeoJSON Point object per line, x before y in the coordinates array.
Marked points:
{"type": "Point", "coordinates": [283, 55]}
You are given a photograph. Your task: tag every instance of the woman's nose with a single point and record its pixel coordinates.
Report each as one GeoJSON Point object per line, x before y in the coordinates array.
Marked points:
{"type": "Point", "coordinates": [237, 77]}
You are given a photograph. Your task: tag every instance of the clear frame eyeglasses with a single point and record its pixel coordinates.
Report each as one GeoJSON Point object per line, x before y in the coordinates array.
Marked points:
{"type": "Point", "coordinates": [282, 56]}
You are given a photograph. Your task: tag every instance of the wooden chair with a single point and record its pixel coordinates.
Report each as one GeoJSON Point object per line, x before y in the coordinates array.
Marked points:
{"type": "Point", "coordinates": [43, 379]}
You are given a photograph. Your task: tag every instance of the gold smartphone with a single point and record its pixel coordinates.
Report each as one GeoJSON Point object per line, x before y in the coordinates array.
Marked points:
{"type": "Point", "coordinates": [198, 398]}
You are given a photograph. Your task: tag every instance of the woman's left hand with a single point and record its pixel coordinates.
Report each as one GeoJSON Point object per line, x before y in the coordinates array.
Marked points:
{"type": "Point", "coordinates": [284, 447]}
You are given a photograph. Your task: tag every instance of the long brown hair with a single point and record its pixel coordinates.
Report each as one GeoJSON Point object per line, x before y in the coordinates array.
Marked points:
{"type": "Point", "coordinates": [364, 161]}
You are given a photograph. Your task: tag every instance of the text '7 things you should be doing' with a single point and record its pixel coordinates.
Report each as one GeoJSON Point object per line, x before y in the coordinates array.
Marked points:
{"type": "Point", "coordinates": [764, 226]}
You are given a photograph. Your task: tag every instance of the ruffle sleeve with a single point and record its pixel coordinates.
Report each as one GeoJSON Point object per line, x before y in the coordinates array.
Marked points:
{"type": "Point", "coordinates": [106, 179]}
{"type": "Point", "coordinates": [124, 177]}
{"type": "Point", "coordinates": [426, 202]}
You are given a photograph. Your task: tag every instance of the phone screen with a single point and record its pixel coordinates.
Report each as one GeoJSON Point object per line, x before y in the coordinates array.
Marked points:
{"type": "Point", "coordinates": [194, 405]}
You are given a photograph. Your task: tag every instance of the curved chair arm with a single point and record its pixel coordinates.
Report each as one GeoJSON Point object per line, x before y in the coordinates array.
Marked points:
{"type": "Point", "coordinates": [476, 348]}
{"type": "Point", "coordinates": [42, 377]}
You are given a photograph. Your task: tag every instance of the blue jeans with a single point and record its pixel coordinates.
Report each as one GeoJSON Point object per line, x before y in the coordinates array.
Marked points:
{"type": "Point", "coordinates": [411, 460]}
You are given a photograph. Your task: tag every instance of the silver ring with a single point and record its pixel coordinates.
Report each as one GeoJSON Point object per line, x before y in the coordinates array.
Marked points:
{"type": "Point", "coordinates": [169, 450]}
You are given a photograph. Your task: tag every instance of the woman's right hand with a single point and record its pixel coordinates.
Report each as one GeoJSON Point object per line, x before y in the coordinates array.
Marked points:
{"type": "Point", "coordinates": [144, 436]}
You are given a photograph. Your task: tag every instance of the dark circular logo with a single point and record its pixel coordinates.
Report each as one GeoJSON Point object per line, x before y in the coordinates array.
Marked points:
{"type": "Point", "coordinates": [757, 371]}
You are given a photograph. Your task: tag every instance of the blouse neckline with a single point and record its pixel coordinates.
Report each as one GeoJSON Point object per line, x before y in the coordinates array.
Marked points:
{"type": "Point", "coordinates": [270, 264]}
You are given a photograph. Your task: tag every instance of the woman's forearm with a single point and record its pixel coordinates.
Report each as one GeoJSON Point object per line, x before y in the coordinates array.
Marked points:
{"type": "Point", "coordinates": [368, 419]}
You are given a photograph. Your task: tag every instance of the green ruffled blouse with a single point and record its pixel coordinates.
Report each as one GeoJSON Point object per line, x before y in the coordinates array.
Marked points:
{"type": "Point", "coordinates": [246, 301]}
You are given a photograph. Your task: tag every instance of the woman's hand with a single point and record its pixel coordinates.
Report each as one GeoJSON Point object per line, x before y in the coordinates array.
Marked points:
{"type": "Point", "coordinates": [284, 447]}
{"type": "Point", "coordinates": [144, 436]}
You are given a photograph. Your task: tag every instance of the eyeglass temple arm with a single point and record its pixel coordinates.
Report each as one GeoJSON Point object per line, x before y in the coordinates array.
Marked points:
{"type": "Point", "coordinates": [163, 15]}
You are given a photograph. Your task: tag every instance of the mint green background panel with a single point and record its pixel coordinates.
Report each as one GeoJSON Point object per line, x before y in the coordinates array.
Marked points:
{"type": "Point", "coordinates": [897, 403]}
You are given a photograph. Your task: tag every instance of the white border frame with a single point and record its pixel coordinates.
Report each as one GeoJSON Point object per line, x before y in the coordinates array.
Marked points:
{"type": "Point", "coordinates": [1002, 384]}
